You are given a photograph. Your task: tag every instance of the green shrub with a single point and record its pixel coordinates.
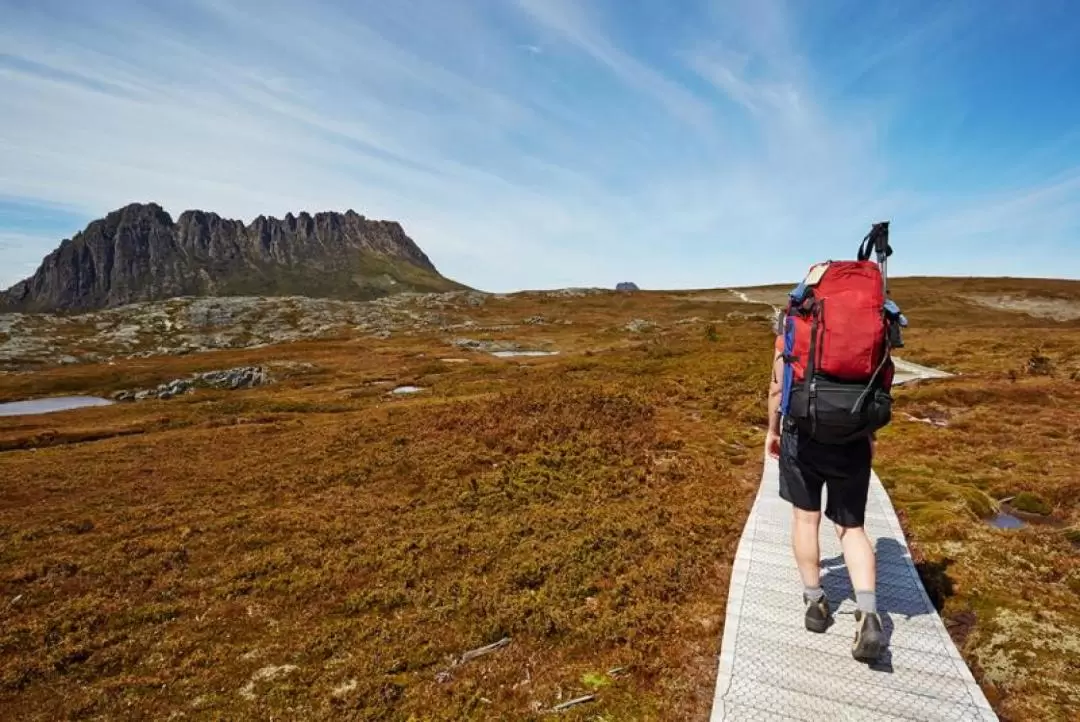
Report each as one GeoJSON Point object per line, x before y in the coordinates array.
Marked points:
{"type": "Point", "coordinates": [1031, 503]}
{"type": "Point", "coordinates": [978, 501]}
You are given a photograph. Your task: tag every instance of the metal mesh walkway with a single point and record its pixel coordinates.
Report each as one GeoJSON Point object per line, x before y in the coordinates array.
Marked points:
{"type": "Point", "coordinates": [772, 668]}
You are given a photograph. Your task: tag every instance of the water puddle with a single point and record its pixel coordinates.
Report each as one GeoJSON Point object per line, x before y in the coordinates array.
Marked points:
{"type": "Point", "coordinates": [407, 390]}
{"type": "Point", "coordinates": [1005, 520]}
{"type": "Point", "coordinates": [512, 354]}
{"type": "Point", "coordinates": [50, 405]}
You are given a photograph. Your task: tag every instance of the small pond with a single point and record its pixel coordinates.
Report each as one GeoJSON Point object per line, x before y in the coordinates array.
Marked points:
{"type": "Point", "coordinates": [1005, 520]}
{"type": "Point", "coordinates": [1009, 517]}
{"type": "Point", "coordinates": [407, 390]}
{"type": "Point", "coordinates": [50, 405]}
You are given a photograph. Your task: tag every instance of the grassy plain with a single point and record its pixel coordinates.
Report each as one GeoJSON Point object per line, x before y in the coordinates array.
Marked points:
{"type": "Point", "coordinates": [322, 549]}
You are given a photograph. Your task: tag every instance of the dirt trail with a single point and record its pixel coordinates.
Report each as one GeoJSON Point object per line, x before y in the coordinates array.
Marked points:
{"type": "Point", "coordinates": [742, 296]}
{"type": "Point", "coordinates": [1057, 309]}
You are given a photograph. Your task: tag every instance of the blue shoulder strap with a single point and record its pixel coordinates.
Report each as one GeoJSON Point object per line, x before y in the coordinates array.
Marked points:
{"type": "Point", "coordinates": [789, 371]}
{"type": "Point", "coordinates": [796, 296]}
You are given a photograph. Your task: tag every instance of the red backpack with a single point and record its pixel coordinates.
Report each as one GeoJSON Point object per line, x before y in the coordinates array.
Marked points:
{"type": "Point", "coordinates": [839, 329]}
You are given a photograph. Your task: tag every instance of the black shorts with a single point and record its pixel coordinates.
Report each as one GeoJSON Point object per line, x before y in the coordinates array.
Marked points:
{"type": "Point", "coordinates": [807, 465]}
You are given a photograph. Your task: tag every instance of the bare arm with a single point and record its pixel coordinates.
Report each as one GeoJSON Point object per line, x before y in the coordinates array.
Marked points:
{"type": "Point", "coordinates": [775, 390]}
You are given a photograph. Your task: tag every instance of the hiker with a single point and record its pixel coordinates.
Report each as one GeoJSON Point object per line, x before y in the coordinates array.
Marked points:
{"type": "Point", "coordinates": [827, 397]}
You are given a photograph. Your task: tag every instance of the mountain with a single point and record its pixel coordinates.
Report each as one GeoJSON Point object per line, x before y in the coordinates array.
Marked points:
{"type": "Point", "coordinates": [137, 253]}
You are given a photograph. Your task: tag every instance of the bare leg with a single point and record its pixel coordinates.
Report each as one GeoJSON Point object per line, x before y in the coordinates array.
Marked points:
{"type": "Point", "coordinates": [804, 541]}
{"type": "Point", "coordinates": [859, 557]}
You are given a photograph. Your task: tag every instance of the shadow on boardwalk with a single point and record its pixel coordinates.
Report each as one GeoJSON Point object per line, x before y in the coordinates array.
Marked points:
{"type": "Point", "coordinates": [891, 555]}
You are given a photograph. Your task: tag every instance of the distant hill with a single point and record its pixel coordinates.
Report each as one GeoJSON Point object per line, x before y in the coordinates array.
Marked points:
{"type": "Point", "coordinates": [138, 253]}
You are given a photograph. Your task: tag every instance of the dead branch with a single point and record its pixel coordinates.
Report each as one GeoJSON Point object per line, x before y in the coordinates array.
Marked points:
{"type": "Point", "coordinates": [573, 703]}
{"type": "Point", "coordinates": [480, 652]}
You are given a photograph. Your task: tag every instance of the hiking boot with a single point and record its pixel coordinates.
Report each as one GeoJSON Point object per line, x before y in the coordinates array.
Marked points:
{"type": "Point", "coordinates": [869, 637]}
{"type": "Point", "coordinates": [817, 614]}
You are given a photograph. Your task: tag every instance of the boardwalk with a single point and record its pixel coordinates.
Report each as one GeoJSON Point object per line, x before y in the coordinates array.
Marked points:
{"type": "Point", "coordinates": [772, 668]}
{"type": "Point", "coordinates": [907, 371]}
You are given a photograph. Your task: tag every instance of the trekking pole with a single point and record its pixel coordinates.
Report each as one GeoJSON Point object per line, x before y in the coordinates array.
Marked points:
{"type": "Point", "coordinates": [876, 242]}
{"type": "Point", "coordinates": [884, 250]}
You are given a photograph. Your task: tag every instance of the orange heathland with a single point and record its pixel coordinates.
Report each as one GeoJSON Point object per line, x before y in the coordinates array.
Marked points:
{"type": "Point", "coordinates": [321, 549]}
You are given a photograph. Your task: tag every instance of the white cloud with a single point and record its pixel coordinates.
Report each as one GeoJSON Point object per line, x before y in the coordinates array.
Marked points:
{"type": "Point", "coordinates": [521, 144]}
{"type": "Point", "coordinates": [570, 21]}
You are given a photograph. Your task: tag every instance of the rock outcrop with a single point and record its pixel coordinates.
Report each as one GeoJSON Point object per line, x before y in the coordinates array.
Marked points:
{"type": "Point", "coordinates": [192, 325]}
{"type": "Point", "coordinates": [626, 286]}
{"type": "Point", "coordinates": [244, 377]}
{"type": "Point", "coordinates": [138, 254]}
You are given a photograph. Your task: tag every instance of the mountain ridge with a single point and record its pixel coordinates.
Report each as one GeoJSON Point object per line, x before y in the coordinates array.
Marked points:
{"type": "Point", "coordinates": [139, 253]}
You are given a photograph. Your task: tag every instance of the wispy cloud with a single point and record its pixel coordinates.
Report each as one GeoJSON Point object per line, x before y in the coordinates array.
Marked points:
{"type": "Point", "coordinates": [523, 144]}
{"type": "Point", "coordinates": [572, 22]}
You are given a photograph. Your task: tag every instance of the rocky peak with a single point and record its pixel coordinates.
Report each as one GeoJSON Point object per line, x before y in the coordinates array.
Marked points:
{"type": "Point", "coordinates": [137, 253]}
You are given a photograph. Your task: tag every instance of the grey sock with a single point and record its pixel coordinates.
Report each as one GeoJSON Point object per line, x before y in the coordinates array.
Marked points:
{"type": "Point", "coordinates": [813, 594]}
{"type": "Point", "coordinates": [866, 601]}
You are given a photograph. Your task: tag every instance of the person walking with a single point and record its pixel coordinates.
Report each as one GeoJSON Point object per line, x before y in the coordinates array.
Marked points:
{"type": "Point", "coordinates": [832, 373]}
{"type": "Point", "coordinates": [806, 466]}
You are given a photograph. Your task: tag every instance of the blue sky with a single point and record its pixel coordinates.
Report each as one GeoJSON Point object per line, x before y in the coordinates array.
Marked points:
{"type": "Point", "coordinates": [546, 143]}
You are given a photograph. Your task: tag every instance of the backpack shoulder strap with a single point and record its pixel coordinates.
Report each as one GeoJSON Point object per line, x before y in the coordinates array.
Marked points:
{"type": "Point", "coordinates": [788, 331]}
